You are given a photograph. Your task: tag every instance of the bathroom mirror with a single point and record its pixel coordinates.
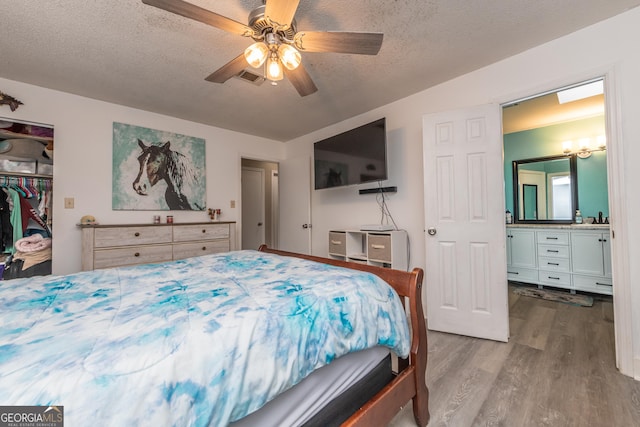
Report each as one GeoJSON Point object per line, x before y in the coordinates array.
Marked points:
{"type": "Point", "coordinates": [545, 189]}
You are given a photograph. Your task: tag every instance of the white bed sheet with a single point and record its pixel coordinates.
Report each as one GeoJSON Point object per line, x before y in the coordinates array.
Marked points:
{"type": "Point", "coordinates": [300, 403]}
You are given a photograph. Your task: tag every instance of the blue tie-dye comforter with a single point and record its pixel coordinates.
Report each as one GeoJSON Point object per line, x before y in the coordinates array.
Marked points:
{"type": "Point", "coordinates": [201, 342]}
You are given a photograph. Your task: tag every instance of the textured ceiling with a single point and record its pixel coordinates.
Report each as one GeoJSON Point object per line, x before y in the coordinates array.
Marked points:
{"type": "Point", "coordinates": [125, 52]}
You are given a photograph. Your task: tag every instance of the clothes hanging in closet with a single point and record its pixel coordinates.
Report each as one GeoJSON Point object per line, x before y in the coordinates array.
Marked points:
{"type": "Point", "coordinates": [24, 209]}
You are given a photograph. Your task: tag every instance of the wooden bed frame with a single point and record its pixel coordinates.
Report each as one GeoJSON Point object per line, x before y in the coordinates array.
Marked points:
{"type": "Point", "coordinates": [410, 381]}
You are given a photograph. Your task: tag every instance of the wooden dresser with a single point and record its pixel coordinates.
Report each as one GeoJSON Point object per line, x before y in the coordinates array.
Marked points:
{"type": "Point", "coordinates": [105, 246]}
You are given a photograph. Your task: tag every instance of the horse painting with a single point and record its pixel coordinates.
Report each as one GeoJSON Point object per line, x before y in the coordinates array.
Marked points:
{"type": "Point", "coordinates": [159, 162]}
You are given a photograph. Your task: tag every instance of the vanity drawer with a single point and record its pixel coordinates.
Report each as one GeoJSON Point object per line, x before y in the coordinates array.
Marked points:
{"type": "Point", "coordinates": [126, 236]}
{"type": "Point", "coordinates": [379, 248]}
{"type": "Point", "coordinates": [554, 264]}
{"type": "Point", "coordinates": [554, 278]}
{"type": "Point", "coordinates": [552, 251]}
{"type": "Point", "coordinates": [553, 237]}
{"type": "Point", "coordinates": [337, 243]}
{"type": "Point", "coordinates": [601, 285]}
{"type": "Point", "coordinates": [518, 274]}
{"type": "Point", "coordinates": [188, 233]}
{"type": "Point", "coordinates": [188, 250]}
{"type": "Point", "coordinates": [105, 258]}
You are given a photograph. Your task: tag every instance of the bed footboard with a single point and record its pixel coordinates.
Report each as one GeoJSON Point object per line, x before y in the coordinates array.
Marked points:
{"type": "Point", "coordinates": [410, 383]}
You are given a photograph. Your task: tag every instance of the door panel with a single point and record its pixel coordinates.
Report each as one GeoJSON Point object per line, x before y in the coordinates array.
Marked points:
{"type": "Point", "coordinates": [253, 234]}
{"type": "Point", "coordinates": [295, 198]}
{"type": "Point", "coordinates": [466, 260]}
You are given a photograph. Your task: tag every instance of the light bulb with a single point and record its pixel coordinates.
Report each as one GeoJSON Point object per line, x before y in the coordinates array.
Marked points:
{"type": "Point", "coordinates": [566, 147]}
{"type": "Point", "coordinates": [584, 144]}
{"type": "Point", "coordinates": [289, 56]}
{"type": "Point", "coordinates": [602, 142]}
{"type": "Point", "coordinates": [274, 69]}
{"type": "Point", "coordinates": [256, 54]}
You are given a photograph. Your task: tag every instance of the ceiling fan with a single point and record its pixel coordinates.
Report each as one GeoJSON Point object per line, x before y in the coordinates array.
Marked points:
{"type": "Point", "coordinates": [277, 41]}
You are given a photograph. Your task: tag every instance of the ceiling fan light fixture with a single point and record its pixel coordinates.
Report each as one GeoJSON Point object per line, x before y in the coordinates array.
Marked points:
{"type": "Point", "coordinates": [289, 56]}
{"type": "Point", "coordinates": [274, 68]}
{"type": "Point", "coordinates": [256, 54]}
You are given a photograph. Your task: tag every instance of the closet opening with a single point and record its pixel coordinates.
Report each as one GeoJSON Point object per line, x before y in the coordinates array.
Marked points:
{"type": "Point", "coordinates": [26, 180]}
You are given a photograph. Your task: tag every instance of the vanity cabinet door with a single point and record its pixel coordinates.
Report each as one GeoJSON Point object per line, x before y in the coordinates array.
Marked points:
{"type": "Point", "coordinates": [606, 252]}
{"type": "Point", "coordinates": [588, 253]}
{"type": "Point", "coordinates": [522, 245]}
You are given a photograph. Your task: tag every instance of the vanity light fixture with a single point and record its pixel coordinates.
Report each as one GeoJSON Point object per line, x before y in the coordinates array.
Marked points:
{"type": "Point", "coordinates": [584, 147]}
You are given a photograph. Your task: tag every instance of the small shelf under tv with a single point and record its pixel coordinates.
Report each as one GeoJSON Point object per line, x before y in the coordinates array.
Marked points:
{"type": "Point", "coordinates": [381, 248]}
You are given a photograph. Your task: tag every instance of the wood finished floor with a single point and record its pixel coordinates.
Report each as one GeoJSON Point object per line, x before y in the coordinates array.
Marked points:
{"type": "Point", "coordinates": [558, 369]}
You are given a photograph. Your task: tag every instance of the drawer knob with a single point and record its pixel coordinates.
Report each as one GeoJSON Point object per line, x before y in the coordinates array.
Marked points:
{"type": "Point", "coordinates": [136, 254]}
{"type": "Point", "coordinates": [137, 234]}
{"type": "Point", "coordinates": [204, 248]}
{"type": "Point", "coordinates": [204, 231]}
{"type": "Point", "coordinates": [374, 246]}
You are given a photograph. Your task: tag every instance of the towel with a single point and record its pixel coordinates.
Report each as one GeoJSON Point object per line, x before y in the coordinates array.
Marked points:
{"type": "Point", "coordinates": [33, 258]}
{"type": "Point", "coordinates": [32, 243]}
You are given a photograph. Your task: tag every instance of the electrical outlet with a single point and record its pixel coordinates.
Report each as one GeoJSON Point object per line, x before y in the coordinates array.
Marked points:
{"type": "Point", "coordinates": [68, 202]}
{"type": "Point", "coordinates": [233, 204]}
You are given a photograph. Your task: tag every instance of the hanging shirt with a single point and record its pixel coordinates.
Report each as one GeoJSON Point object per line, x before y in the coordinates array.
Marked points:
{"type": "Point", "coordinates": [28, 212]}
{"type": "Point", "coordinates": [16, 219]}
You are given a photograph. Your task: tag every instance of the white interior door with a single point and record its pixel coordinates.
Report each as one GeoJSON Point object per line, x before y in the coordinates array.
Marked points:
{"type": "Point", "coordinates": [252, 207]}
{"type": "Point", "coordinates": [295, 199]}
{"type": "Point", "coordinates": [466, 279]}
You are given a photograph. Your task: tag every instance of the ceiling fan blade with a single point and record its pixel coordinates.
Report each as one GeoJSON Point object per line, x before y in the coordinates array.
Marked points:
{"type": "Point", "coordinates": [228, 70]}
{"type": "Point", "coordinates": [196, 13]}
{"type": "Point", "coordinates": [301, 80]}
{"type": "Point", "coordinates": [281, 11]}
{"type": "Point", "coordinates": [339, 42]}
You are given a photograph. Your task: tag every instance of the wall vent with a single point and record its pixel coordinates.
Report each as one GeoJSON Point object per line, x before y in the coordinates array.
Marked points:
{"type": "Point", "coordinates": [250, 77]}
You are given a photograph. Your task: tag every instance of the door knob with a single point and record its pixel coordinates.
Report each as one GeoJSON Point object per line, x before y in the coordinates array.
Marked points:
{"type": "Point", "coordinates": [305, 226]}
{"type": "Point", "coordinates": [431, 231]}
{"type": "Point", "coordinates": [259, 224]}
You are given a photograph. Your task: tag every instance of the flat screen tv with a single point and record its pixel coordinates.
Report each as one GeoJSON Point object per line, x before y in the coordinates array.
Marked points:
{"type": "Point", "coordinates": [353, 157]}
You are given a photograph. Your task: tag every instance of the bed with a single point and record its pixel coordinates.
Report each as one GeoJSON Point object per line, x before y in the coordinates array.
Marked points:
{"type": "Point", "coordinates": [212, 340]}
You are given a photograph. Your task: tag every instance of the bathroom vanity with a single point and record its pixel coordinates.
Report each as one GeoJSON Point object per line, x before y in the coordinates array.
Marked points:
{"type": "Point", "coordinates": [568, 256]}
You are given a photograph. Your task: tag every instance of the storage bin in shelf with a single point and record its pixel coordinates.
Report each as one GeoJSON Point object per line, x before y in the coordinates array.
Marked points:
{"type": "Point", "coordinates": [381, 248]}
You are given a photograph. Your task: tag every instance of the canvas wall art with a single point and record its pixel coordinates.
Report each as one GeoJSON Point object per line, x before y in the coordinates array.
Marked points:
{"type": "Point", "coordinates": [157, 170]}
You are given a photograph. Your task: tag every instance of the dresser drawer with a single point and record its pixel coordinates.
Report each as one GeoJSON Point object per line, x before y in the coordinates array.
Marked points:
{"type": "Point", "coordinates": [337, 243]}
{"type": "Point", "coordinates": [188, 250]}
{"type": "Point", "coordinates": [379, 248]}
{"type": "Point", "coordinates": [554, 278]}
{"type": "Point", "coordinates": [105, 258]}
{"type": "Point", "coordinates": [554, 264]}
{"type": "Point", "coordinates": [126, 236]}
{"type": "Point", "coordinates": [552, 251]}
{"type": "Point", "coordinates": [553, 237]}
{"type": "Point", "coordinates": [518, 274]}
{"type": "Point", "coordinates": [601, 285]}
{"type": "Point", "coordinates": [188, 233]}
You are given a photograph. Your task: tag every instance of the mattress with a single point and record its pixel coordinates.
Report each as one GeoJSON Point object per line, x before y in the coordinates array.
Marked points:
{"type": "Point", "coordinates": [197, 342]}
{"type": "Point", "coordinates": [301, 405]}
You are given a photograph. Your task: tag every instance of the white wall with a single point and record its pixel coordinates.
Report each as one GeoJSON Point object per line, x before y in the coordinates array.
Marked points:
{"type": "Point", "coordinates": [608, 47]}
{"type": "Point", "coordinates": [82, 161]}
